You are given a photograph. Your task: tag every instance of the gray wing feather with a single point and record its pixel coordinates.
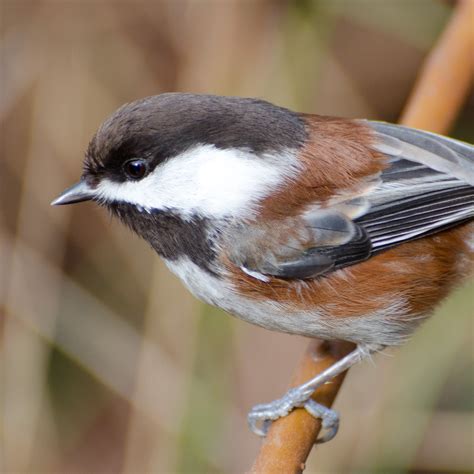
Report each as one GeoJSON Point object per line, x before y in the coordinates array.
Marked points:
{"type": "Point", "coordinates": [447, 156]}
{"type": "Point", "coordinates": [428, 186]}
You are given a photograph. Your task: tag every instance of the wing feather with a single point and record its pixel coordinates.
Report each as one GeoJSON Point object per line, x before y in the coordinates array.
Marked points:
{"type": "Point", "coordinates": [427, 187]}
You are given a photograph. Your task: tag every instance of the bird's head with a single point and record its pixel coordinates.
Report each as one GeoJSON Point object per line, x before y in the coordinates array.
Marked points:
{"type": "Point", "coordinates": [192, 155]}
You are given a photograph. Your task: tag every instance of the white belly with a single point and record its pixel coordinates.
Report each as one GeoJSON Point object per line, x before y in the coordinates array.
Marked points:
{"type": "Point", "coordinates": [273, 315]}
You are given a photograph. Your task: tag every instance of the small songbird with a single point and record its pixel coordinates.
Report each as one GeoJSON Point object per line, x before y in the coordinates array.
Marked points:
{"type": "Point", "coordinates": [321, 226]}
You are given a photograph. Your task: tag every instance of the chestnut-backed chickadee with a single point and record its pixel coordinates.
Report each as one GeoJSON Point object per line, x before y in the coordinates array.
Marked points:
{"type": "Point", "coordinates": [320, 226]}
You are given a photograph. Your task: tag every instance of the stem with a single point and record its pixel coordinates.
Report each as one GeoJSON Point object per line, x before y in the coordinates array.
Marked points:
{"type": "Point", "coordinates": [290, 439]}
{"type": "Point", "coordinates": [446, 75]}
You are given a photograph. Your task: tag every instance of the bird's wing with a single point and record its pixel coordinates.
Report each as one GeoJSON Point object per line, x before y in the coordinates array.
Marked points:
{"type": "Point", "coordinates": [427, 187]}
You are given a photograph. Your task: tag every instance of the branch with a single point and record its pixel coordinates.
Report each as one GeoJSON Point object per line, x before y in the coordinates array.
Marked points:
{"type": "Point", "coordinates": [290, 439]}
{"type": "Point", "coordinates": [433, 105]}
{"type": "Point", "coordinates": [446, 76]}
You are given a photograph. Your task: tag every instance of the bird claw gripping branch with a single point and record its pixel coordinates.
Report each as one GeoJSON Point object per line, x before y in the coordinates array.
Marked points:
{"type": "Point", "coordinates": [261, 416]}
{"type": "Point", "coordinates": [300, 397]}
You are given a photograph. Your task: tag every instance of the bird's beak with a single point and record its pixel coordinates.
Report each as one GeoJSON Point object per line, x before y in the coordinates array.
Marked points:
{"type": "Point", "coordinates": [79, 192]}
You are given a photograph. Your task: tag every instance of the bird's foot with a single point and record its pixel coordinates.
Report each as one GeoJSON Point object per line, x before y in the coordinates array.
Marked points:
{"type": "Point", "coordinates": [261, 416]}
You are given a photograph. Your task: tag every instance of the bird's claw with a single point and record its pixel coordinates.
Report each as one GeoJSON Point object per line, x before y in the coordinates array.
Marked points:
{"type": "Point", "coordinates": [261, 416]}
{"type": "Point", "coordinates": [329, 419]}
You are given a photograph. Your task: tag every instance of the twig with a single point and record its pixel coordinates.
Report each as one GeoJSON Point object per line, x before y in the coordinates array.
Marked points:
{"type": "Point", "coordinates": [433, 105]}
{"type": "Point", "coordinates": [446, 76]}
{"type": "Point", "coordinates": [291, 438]}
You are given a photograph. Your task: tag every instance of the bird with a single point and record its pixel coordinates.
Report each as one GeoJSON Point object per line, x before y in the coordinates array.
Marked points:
{"type": "Point", "coordinates": [326, 227]}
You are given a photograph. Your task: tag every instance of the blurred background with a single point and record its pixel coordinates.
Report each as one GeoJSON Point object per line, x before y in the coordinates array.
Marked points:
{"type": "Point", "coordinates": [107, 364]}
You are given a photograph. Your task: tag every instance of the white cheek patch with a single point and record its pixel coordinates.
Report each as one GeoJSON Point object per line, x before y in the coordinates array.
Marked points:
{"type": "Point", "coordinates": [205, 180]}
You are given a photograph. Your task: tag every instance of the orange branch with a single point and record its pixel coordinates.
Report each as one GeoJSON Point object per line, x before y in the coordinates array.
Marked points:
{"type": "Point", "coordinates": [290, 439]}
{"type": "Point", "coordinates": [445, 77]}
{"type": "Point", "coordinates": [433, 105]}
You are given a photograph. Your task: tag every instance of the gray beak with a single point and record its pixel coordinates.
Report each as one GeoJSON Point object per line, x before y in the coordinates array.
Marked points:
{"type": "Point", "coordinates": [79, 192]}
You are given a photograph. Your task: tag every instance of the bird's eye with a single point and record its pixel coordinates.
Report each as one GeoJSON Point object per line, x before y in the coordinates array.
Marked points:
{"type": "Point", "coordinates": [135, 169]}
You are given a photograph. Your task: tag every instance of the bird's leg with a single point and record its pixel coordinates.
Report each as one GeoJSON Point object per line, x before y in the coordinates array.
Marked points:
{"type": "Point", "coordinates": [261, 416]}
